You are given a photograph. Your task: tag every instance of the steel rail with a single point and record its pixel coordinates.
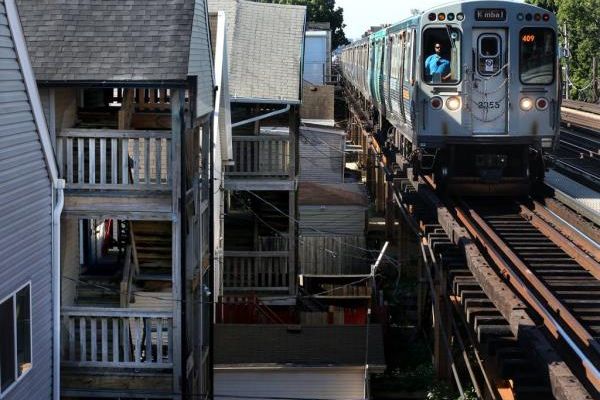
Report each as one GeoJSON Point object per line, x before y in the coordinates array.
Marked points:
{"type": "Point", "coordinates": [499, 252]}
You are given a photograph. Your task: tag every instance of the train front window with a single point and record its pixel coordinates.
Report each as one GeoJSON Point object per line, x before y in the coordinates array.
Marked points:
{"type": "Point", "coordinates": [537, 56]}
{"type": "Point", "coordinates": [441, 49]}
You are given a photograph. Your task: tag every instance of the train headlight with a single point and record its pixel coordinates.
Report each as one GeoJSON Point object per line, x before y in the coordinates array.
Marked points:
{"type": "Point", "coordinates": [526, 104]}
{"type": "Point", "coordinates": [541, 103]}
{"type": "Point", "coordinates": [436, 103]}
{"type": "Point", "coordinates": [453, 103]}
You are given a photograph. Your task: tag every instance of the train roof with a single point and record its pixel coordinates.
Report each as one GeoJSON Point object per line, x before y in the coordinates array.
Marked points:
{"type": "Point", "coordinates": [415, 19]}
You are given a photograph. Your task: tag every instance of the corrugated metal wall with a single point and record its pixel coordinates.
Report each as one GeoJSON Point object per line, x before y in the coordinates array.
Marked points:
{"type": "Point", "coordinates": [321, 157]}
{"type": "Point", "coordinates": [333, 255]}
{"type": "Point", "coordinates": [337, 383]}
{"type": "Point", "coordinates": [26, 213]}
{"type": "Point", "coordinates": [200, 59]}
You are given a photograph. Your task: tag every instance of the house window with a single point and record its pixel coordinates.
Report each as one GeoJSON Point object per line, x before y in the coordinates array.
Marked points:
{"type": "Point", "coordinates": [15, 337]}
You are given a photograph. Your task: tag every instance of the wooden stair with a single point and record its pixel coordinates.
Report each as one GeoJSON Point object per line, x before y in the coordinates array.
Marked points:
{"type": "Point", "coordinates": [97, 291]}
{"type": "Point", "coordinates": [153, 248]}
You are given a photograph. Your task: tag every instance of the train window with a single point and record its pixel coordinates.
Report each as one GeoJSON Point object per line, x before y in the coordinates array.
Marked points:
{"type": "Point", "coordinates": [489, 54]}
{"type": "Point", "coordinates": [441, 54]}
{"type": "Point", "coordinates": [407, 57]}
{"type": "Point", "coordinates": [537, 56]}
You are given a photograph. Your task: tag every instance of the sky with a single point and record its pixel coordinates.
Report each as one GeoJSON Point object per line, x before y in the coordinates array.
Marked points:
{"type": "Point", "coordinates": [359, 15]}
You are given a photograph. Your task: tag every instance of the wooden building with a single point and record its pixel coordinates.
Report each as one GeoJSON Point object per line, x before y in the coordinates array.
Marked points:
{"type": "Point", "coordinates": [30, 198]}
{"type": "Point", "coordinates": [265, 87]}
{"type": "Point", "coordinates": [127, 89]}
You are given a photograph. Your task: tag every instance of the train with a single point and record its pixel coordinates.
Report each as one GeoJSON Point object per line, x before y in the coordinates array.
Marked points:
{"type": "Point", "coordinates": [468, 92]}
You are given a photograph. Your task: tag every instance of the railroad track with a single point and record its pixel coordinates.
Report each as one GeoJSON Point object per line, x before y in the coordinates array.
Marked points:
{"type": "Point", "coordinates": [578, 153]}
{"type": "Point", "coordinates": [556, 273]}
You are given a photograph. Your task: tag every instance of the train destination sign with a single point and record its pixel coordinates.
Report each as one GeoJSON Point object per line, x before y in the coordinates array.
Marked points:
{"type": "Point", "coordinates": [490, 14]}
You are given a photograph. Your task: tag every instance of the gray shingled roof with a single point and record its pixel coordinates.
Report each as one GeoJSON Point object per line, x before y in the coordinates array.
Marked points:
{"type": "Point", "coordinates": [338, 345]}
{"type": "Point", "coordinates": [112, 40]}
{"type": "Point", "coordinates": [265, 47]}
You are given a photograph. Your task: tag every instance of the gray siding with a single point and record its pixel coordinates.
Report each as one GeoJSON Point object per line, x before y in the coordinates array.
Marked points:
{"type": "Point", "coordinates": [200, 63]}
{"type": "Point", "coordinates": [321, 156]}
{"type": "Point", "coordinates": [26, 213]}
{"type": "Point", "coordinates": [336, 220]}
{"type": "Point", "coordinates": [336, 383]}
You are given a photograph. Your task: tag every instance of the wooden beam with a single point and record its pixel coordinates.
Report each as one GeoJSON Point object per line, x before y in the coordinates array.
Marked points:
{"type": "Point", "coordinates": [126, 111]}
{"type": "Point", "coordinates": [177, 128]}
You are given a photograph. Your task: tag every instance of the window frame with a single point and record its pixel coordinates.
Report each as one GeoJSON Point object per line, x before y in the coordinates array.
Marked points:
{"type": "Point", "coordinates": [13, 296]}
{"type": "Point", "coordinates": [423, 58]}
{"type": "Point", "coordinates": [554, 46]}
{"type": "Point", "coordinates": [499, 53]}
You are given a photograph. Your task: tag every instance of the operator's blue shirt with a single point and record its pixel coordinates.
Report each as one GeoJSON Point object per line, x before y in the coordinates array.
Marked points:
{"type": "Point", "coordinates": [436, 64]}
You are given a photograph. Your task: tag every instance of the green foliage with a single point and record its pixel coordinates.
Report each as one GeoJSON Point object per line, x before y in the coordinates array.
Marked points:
{"type": "Point", "coordinates": [322, 11]}
{"type": "Point", "coordinates": [582, 21]}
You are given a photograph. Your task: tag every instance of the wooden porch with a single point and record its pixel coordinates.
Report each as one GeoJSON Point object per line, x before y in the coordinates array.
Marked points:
{"type": "Point", "coordinates": [117, 352]}
{"type": "Point", "coordinates": [257, 271]}
{"type": "Point", "coordinates": [117, 172]}
{"type": "Point", "coordinates": [262, 162]}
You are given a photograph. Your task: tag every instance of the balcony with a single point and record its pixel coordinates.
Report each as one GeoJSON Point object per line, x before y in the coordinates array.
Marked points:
{"type": "Point", "coordinates": [116, 173]}
{"type": "Point", "coordinates": [116, 349]}
{"type": "Point", "coordinates": [262, 162]}
{"type": "Point", "coordinates": [256, 271]}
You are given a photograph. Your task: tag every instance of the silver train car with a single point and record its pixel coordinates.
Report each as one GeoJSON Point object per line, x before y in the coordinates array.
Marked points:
{"type": "Point", "coordinates": [468, 91]}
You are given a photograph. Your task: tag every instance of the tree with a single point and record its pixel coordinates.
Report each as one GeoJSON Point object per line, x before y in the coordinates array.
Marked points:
{"type": "Point", "coordinates": [322, 11]}
{"type": "Point", "coordinates": [581, 18]}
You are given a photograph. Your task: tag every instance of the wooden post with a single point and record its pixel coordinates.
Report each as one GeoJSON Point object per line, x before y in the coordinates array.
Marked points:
{"type": "Point", "coordinates": [126, 112]}
{"type": "Point", "coordinates": [594, 80]}
{"type": "Point", "coordinates": [390, 219]}
{"type": "Point", "coordinates": [442, 361]}
{"type": "Point", "coordinates": [566, 64]}
{"type": "Point", "coordinates": [177, 102]}
{"type": "Point", "coordinates": [294, 125]}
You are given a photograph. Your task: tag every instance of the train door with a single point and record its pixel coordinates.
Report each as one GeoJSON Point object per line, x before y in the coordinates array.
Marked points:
{"type": "Point", "coordinates": [489, 86]}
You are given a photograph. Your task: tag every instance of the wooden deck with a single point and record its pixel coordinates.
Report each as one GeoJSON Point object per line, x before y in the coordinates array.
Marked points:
{"type": "Point", "coordinates": [118, 205]}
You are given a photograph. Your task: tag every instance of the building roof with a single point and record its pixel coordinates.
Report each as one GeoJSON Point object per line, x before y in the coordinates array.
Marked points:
{"type": "Point", "coordinates": [266, 49]}
{"type": "Point", "coordinates": [338, 194]}
{"type": "Point", "coordinates": [326, 345]}
{"type": "Point", "coordinates": [108, 40]}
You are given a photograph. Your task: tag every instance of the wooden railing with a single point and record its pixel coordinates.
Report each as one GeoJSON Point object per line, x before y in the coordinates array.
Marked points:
{"type": "Point", "coordinates": [114, 159]}
{"type": "Point", "coordinates": [256, 271]}
{"type": "Point", "coordinates": [147, 99]}
{"type": "Point", "coordinates": [117, 338]}
{"type": "Point", "coordinates": [131, 269]}
{"type": "Point", "coordinates": [261, 156]}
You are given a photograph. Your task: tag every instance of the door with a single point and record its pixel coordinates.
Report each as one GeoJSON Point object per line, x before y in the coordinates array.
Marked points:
{"type": "Point", "coordinates": [489, 86]}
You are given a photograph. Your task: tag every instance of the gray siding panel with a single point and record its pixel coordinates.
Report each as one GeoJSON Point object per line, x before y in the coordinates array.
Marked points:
{"type": "Point", "coordinates": [26, 213]}
{"type": "Point", "coordinates": [200, 63]}
{"type": "Point", "coordinates": [337, 220]}
{"type": "Point", "coordinates": [336, 383]}
{"type": "Point", "coordinates": [321, 157]}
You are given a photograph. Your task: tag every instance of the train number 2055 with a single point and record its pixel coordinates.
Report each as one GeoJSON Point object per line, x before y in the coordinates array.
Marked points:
{"type": "Point", "coordinates": [488, 104]}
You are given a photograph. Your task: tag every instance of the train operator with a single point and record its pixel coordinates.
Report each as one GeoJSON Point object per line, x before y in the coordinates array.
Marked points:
{"type": "Point", "coordinates": [437, 67]}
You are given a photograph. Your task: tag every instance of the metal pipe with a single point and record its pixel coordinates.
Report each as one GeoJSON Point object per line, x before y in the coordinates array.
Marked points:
{"type": "Point", "coordinates": [56, 284]}
{"type": "Point", "coordinates": [260, 117]}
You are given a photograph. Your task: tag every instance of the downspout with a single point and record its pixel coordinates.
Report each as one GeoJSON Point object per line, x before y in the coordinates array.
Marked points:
{"type": "Point", "coordinates": [264, 116]}
{"type": "Point", "coordinates": [58, 184]}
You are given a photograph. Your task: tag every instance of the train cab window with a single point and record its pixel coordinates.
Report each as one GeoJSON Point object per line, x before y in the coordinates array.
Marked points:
{"type": "Point", "coordinates": [489, 54]}
{"type": "Point", "coordinates": [441, 55]}
{"type": "Point", "coordinates": [537, 56]}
